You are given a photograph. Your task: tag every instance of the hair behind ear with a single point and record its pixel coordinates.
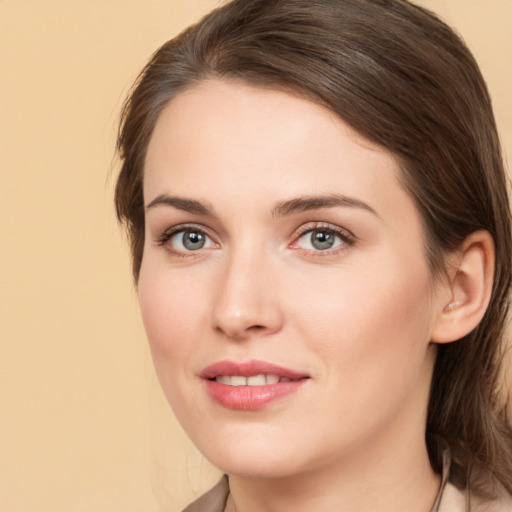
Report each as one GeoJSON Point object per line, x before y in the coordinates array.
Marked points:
{"type": "Point", "coordinates": [467, 401]}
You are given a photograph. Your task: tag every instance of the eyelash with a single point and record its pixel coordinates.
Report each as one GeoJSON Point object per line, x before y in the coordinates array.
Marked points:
{"type": "Point", "coordinates": [167, 235]}
{"type": "Point", "coordinates": [346, 237]}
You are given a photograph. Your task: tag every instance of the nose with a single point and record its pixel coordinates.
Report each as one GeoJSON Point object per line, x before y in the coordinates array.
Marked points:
{"type": "Point", "coordinates": [246, 303]}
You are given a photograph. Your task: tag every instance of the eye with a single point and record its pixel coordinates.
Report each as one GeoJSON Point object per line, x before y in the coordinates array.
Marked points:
{"type": "Point", "coordinates": [323, 239]}
{"type": "Point", "coordinates": [189, 240]}
{"type": "Point", "coordinates": [186, 240]}
{"type": "Point", "coordinates": [319, 240]}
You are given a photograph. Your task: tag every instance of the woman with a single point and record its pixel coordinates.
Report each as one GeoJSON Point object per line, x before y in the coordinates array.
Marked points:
{"type": "Point", "coordinates": [319, 223]}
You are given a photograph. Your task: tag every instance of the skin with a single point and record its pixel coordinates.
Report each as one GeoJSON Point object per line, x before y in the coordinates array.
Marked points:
{"type": "Point", "coordinates": [358, 318]}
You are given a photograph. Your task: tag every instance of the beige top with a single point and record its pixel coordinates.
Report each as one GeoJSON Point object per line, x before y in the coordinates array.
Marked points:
{"type": "Point", "coordinates": [449, 498]}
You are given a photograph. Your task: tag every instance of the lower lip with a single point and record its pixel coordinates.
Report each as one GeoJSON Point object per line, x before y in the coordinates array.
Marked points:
{"type": "Point", "coordinates": [250, 398]}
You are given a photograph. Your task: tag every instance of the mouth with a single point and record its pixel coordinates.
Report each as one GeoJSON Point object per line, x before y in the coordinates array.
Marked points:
{"type": "Point", "coordinates": [253, 380]}
{"type": "Point", "coordinates": [250, 385]}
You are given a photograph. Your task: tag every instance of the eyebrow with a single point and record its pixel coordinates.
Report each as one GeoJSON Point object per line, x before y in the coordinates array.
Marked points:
{"type": "Point", "coordinates": [187, 205]}
{"type": "Point", "coordinates": [280, 209]}
{"type": "Point", "coordinates": [306, 203]}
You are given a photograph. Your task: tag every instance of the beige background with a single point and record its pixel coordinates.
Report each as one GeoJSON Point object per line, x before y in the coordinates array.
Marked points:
{"type": "Point", "coordinates": [83, 426]}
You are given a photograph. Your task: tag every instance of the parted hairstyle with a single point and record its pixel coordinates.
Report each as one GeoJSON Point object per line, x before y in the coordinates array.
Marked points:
{"type": "Point", "coordinates": [404, 80]}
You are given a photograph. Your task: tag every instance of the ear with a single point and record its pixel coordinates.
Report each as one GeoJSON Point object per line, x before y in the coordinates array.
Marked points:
{"type": "Point", "coordinates": [467, 293]}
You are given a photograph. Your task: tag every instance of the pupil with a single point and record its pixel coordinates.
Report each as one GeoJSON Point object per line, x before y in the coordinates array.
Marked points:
{"type": "Point", "coordinates": [193, 240]}
{"type": "Point", "coordinates": [322, 240]}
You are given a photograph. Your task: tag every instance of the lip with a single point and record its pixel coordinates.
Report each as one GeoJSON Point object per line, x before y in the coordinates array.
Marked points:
{"type": "Point", "coordinates": [249, 398]}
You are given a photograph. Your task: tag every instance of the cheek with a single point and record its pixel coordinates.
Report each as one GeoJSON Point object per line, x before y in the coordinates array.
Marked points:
{"type": "Point", "coordinates": [173, 313]}
{"type": "Point", "coordinates": [171, 309]}
{"type": "Point", "coordinates": [369, 336]}
{"type": "Point", "coordinates": [368, 319]}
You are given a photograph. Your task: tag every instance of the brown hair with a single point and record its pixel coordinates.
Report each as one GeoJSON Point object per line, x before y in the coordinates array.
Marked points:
{"type": "Point", "coordinates": [406, 81]}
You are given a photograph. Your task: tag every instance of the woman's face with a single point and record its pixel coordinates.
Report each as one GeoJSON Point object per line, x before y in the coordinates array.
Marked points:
{"type": "Point", "coordinates": [284, 286]}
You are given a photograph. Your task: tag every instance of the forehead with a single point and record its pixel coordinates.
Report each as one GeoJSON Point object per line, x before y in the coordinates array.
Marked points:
{"type": "Point", "coordinates": [231, 140]}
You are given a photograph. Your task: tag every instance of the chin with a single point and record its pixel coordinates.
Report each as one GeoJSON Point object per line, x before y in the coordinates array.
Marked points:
{"type": "Point", "coordinates": [254, 466]}
{"type": "Point", "coordinates": [253, 456]}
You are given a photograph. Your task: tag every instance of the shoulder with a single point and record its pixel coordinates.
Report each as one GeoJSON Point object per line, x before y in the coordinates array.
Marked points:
{"type": "Point", "coordinates": [453, 499]}
{"type": "Point", "coordinates": [456, 500]}
{"type": "Point", "coordinates": [502, 502]}
{"type": "Point", "coordinates": [212, 501]}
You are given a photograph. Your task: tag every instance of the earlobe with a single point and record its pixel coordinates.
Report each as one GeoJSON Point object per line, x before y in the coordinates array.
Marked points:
{"type": "Point", "coordinates": [470, 283]}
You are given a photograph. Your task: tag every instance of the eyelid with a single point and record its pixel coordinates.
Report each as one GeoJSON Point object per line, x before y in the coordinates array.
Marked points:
{"type": "Point", "coordinates": [344, 234]}
{"type": "Point", "coordinates": [167, 234]}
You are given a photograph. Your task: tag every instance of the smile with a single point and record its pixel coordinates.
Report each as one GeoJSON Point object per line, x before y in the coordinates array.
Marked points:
{"type": "Point", "coordinates": [254, 380]}
{"type": "Point", "coordinates": [250, 385]}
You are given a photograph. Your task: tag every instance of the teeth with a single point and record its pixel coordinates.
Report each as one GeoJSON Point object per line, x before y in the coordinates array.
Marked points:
{"type": "Point", "coordinates": [224, 379]}
{"type": "Point", "coordinates": [271, 379]}
{"type": "Point", "coordinates": [238, 381]}
{"type": "Point", "coordinates": [254, 380]}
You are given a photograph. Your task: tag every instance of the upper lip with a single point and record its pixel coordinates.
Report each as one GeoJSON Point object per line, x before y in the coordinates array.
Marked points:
{"type": "Point", "coordinates": [248, 369]}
